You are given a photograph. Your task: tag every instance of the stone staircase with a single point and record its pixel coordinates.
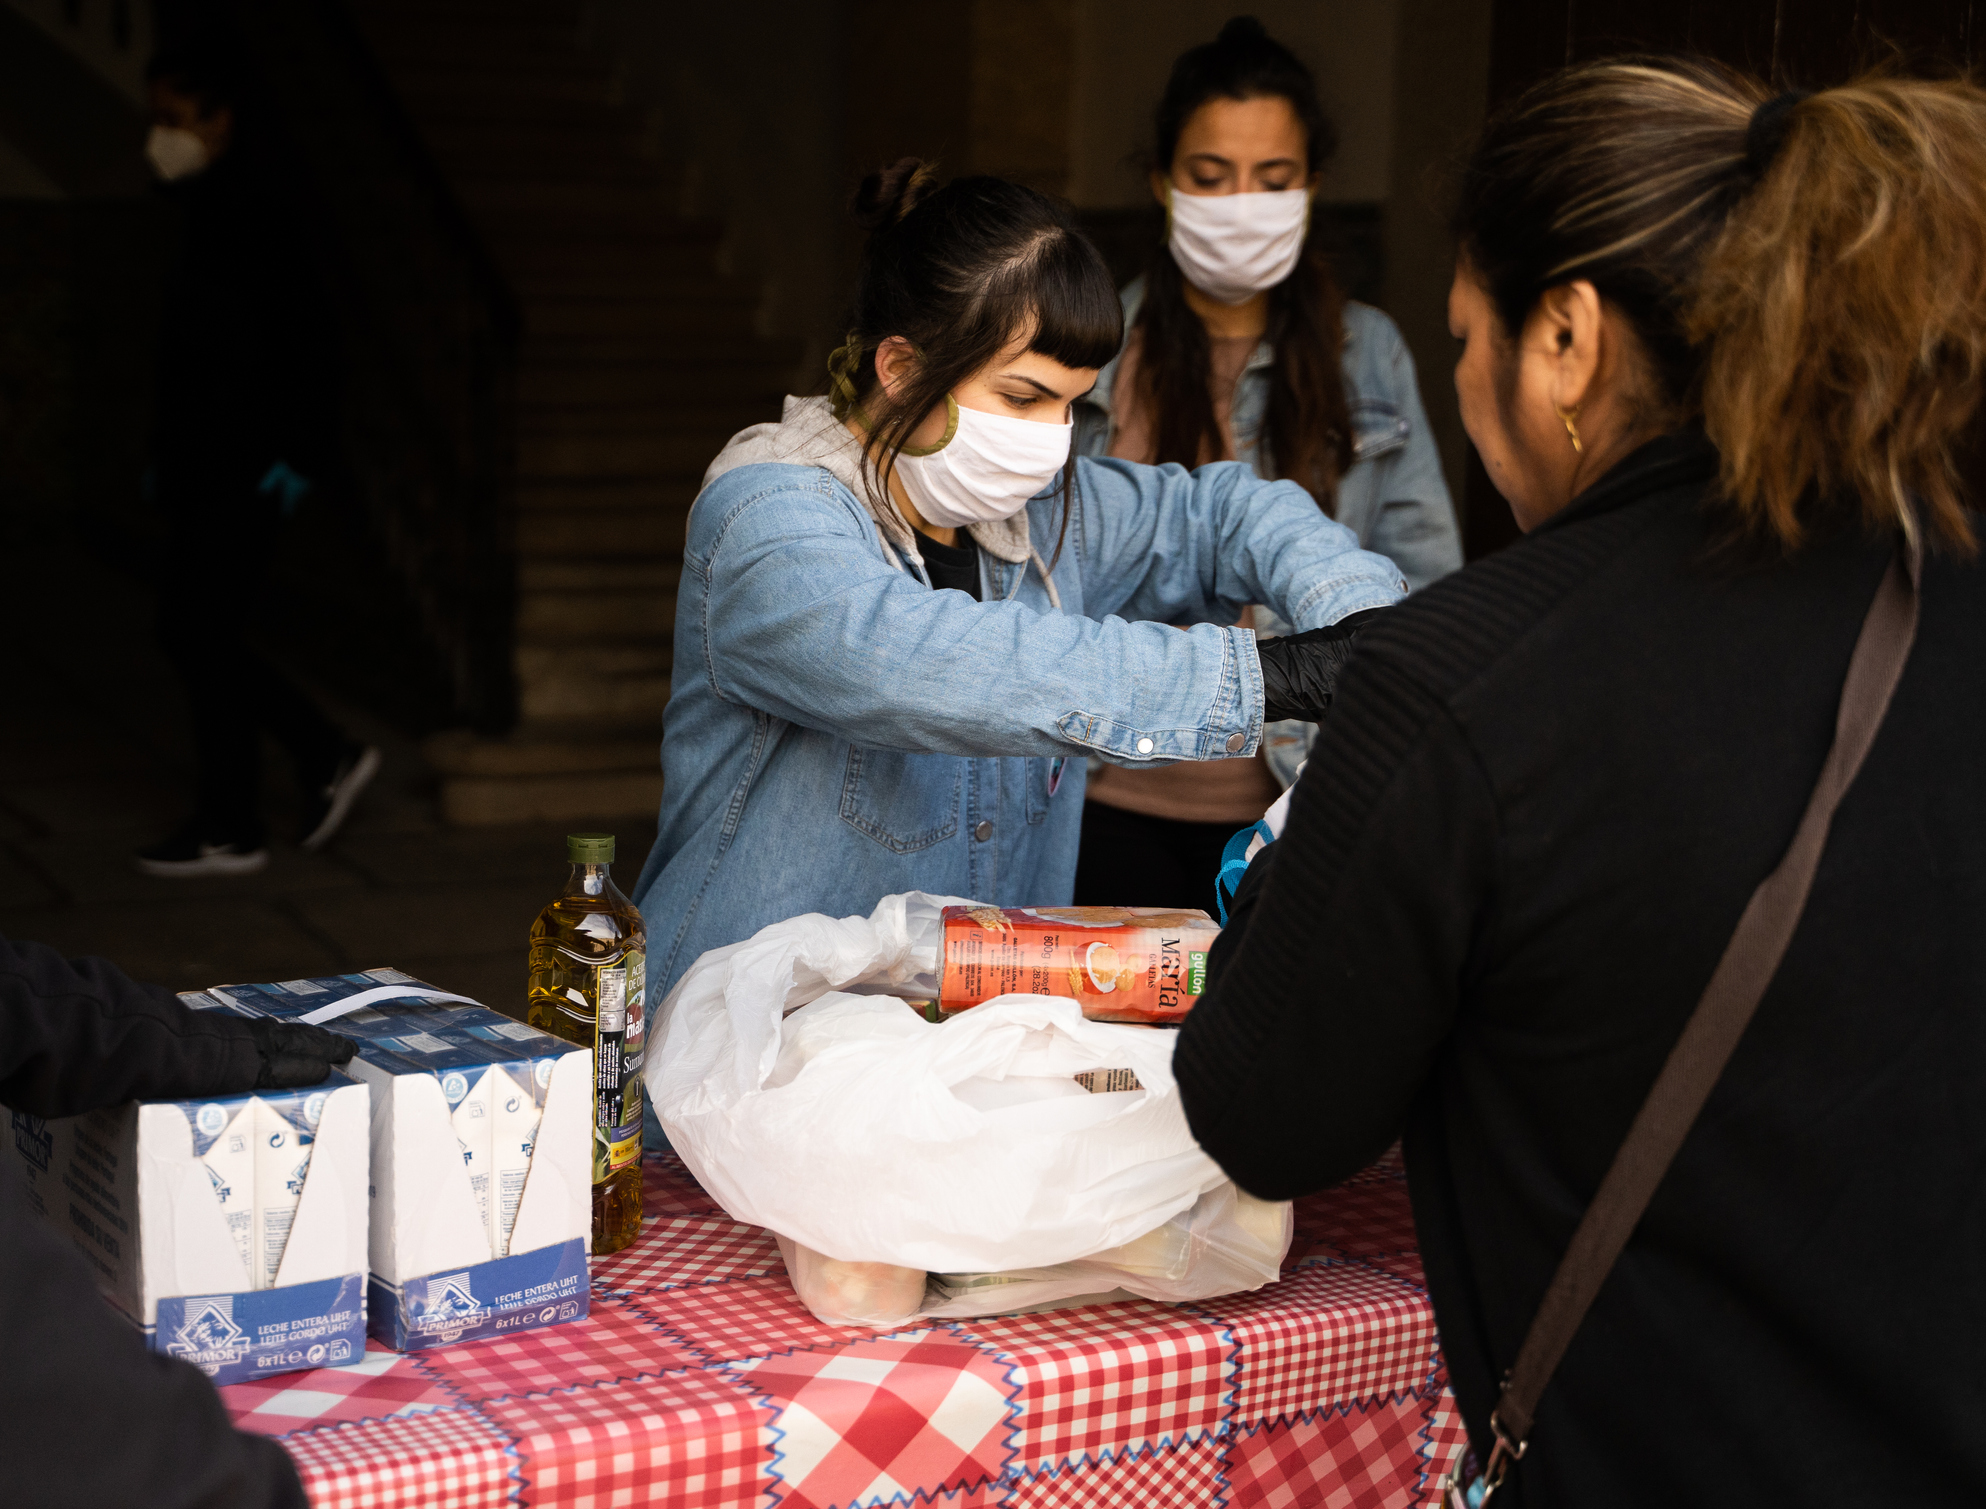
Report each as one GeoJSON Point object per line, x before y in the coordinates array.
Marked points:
{"type": "Point", "coordinates": [639, 359]}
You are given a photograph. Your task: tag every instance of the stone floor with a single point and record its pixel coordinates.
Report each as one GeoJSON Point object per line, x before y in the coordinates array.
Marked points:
{"type": "Point", "coordinates": [95, 761]}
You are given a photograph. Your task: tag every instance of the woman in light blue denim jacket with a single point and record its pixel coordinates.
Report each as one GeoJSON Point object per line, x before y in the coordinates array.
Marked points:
{"type": "Point", "coordinates": [895, 641]}
{"type": "Point", "coordinates": [1241, 346]}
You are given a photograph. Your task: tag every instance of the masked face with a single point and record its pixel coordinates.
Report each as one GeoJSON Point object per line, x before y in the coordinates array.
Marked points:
{"type": "Point", "coordinates": [985, 468]}
{"type": "Point", "coordinates": [1232, 246]}
{"type": "Point", "coordinates": [175, 152]}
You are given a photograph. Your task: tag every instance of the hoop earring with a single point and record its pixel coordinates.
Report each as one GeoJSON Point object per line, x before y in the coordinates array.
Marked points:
{"type": "Point", "coordinates": [1565, 417]}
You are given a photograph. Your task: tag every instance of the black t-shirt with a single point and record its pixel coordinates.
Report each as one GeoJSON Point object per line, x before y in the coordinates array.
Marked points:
{"type": "Point", "coordinates": [954, 566]}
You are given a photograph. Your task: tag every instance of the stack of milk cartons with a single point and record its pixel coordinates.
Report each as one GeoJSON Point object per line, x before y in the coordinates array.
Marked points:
{"type": "Point", "coordinates": [482, 1137]}
{"type": "Point", "coordinates": [231, 1230]}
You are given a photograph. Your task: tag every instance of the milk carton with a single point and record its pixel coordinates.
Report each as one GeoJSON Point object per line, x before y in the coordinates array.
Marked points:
{"type": "Point", "coordinates": [481, 1172]}
{"type": "Point", "coordinates": [231, 1231]}
{"type": "Point", "coordinates": [515, 1112]}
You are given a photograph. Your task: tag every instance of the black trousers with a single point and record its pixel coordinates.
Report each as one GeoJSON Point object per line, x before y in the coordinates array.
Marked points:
{"type": "Point", "coordinates": [224, 536]}
{"type": "Point", "coordinates": [1129, 859]}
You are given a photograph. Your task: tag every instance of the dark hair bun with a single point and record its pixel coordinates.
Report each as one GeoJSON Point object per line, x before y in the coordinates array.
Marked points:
{"type": "Point", "coordinates": [886, 197]}
{"type": "Point", "coordinates": [1242, 31]}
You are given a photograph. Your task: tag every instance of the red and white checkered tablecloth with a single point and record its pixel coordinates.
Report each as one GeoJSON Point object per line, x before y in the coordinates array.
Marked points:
{"type": "Point", "coordinates": [699, 1381]}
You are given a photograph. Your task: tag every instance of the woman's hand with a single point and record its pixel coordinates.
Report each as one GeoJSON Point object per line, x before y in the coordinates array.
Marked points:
{"type": "Point", "coordinates": [295, 1054]}
{"type": "Point", "coordinates": [1300, 671]}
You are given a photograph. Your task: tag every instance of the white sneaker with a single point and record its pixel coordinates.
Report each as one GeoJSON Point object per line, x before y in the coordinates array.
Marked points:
{"type": "Point", "coordinates": [186, 856]}
{"type": "Point", "coordinates": [354, 774]}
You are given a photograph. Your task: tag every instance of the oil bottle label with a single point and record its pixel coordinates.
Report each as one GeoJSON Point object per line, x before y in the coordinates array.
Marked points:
{"type": "Point", "coordinates": [617, 1046]}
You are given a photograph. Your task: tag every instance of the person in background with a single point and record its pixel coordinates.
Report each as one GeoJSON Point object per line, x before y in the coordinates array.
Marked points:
{"type": "Point", "coordinates": [246, 418]}
{"type": "Point", "coordinates": [1241, 346]}
{"type": "Point", "coordinates": [1722, 354]}
{"type": "Point", "coordinates": [909, 611]}
{"type": "Point", "coordinates": [93, 1416]}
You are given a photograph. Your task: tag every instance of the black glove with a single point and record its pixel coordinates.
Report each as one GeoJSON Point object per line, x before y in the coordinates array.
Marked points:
{"type": "Point", "coordinates": [295, 1054]}
{"type": "Point", "coordinates": [1300, 671]}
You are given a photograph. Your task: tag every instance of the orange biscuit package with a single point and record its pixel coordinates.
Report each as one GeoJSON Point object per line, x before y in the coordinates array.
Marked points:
{"type": "Point", "coordinates": [1142, 964]}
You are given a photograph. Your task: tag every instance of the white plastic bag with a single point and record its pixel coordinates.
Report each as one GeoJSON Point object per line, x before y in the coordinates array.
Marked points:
{"type": "Point", "coordinates": [1227, 1242]}
{"type": "Point", "coordinates": [878, 1295]}
{"type": "Point", "coordinates": [858, 1130]}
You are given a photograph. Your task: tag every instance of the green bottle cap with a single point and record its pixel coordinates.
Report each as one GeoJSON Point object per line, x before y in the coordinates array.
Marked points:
{"type": "Point", "coordinates": [590, 848]}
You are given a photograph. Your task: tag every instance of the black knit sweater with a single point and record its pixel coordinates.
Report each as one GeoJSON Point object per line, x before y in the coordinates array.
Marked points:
{"type": "Point", "coordinates": [1547, 789]}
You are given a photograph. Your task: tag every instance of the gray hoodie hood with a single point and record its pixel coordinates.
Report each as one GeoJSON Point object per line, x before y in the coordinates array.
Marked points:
{"type": "Point", "coordinates": [808, 434]}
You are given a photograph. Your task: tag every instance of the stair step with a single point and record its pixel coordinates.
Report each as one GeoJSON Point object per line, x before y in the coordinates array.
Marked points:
{"type": "Point", "coordinates": [578, 202]}
{"type": "Point", "coordinates": [601, 796]}
{"type": "Point", "coordinates": [701, 421]}
{"type": "Point", "coordinates": [759, 382]}
{"type": "Point", "coordinates": [612, 499]}
{"type": "Point", "coordinates": [694, 352]}
{"type": "Point", "coordinates": [606, 282]}
{"type": "Point", "coordinates": [724, 314]}
{"type": "Point", "coordinates": [594, 165]}
{"type": "Point", "coordinates": [587, 618]}
{"type": "Point", "coordinates": [661, 454]}
{"type": "Point", "coordinates": [533, 245]}
{"type": "Point", "coordinates": [483, 51]}
{"type": "Point", "coordinates": [613, 574]}
{"type": "Point", "coordinates": [610, 269]}
{"type": "Point", "coordinates": [542, 749]}
{"type": "Point", "coordinates": [606, 130]}
{"type": "Point", "coordinates": [583, 534]}
{"type": "Point", "coordinates": [553, 76]}
{"type": "Point", "coordinates": [587, 214]}
{"type": "Point", "coordinates": [431, 42]}
{"type": "Point", "coordinates": [471, 113]}
{"type": "Point", "coordinates": [617, 685]}
{"type": "Point", "coordinates": [675, 271]}
{"type": "Point", "coordinates": [385, 13]}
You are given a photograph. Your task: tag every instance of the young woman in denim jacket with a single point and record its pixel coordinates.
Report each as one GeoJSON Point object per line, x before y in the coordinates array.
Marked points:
{"type": "Point", "coordinates": [909, 612]}
{"type": "Point", "coordinates": [1260, 358]}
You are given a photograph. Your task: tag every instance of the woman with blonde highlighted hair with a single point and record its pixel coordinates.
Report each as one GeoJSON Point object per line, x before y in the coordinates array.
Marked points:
{"type": "Point", "coordinates": [1721, 350]}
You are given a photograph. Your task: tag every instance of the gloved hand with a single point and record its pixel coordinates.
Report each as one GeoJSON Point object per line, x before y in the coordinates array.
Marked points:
{"type": "Point", "coordinates": [295, 1054]}
{"type": "Point", "coordinates": [1300, 671]}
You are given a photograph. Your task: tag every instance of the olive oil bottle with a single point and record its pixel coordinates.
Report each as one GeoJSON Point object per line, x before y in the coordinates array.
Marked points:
{"type": "Point", "coordinates": [589, 954]}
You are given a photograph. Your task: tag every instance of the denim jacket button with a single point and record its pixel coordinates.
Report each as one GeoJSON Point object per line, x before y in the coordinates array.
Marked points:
{"type": "Point", "coordinates": [984, 831]}
{"type": "Point", "coordinates": [1235, 742]}
{"type": "Point", "coordinates": [1144, 746]}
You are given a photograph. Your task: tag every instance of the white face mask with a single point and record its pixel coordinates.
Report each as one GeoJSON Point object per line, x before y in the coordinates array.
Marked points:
{"type": "Point", "coordinates": [1232, 246]}
{"type": "Point", "coordinates": [986, 467]}
{"type": "Point", "coordinates": [175, 153]}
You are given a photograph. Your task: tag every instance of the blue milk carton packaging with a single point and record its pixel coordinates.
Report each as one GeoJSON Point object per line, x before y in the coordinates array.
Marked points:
{"type": "Point", "coordinates": [231, 1231]}
{"type": "Point", "coordinates": [481, 1175]}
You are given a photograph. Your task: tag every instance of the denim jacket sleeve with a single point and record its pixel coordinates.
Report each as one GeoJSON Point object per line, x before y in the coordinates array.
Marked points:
{"type": "Point", "coordinates": [803, 618]}
{"type": "Point", "coordinates": [1415, 527]}
{"type": "Point", "coordinates": [1162, 542]}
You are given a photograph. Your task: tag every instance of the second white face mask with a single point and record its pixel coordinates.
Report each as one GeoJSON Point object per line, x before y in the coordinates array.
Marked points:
{"type": "Point", "coordinates": [174, 153]}
{"type": "Point", "coordinates": [1232, 246]}
{"type": "Point", "coordinates": [987, 468]}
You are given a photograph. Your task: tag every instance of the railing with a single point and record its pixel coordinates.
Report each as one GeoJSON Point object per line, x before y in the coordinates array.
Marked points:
{"type": "Point", "coordinates": [431, 334]}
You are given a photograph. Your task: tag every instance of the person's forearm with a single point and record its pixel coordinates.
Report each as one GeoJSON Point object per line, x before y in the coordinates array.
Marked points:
{"type": "Point", "coordinates": [75, 1035]}
{"type": "Point", "coordinates": [885, 663]}
{"type": "Point", "coordinates": [1325, 1009]}
{"type": "Point", "coordinates": [1167, 544]}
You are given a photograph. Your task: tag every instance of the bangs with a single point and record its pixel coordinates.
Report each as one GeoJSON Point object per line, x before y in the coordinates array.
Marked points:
{"type": "Point", "coordinates": [1073, 304]}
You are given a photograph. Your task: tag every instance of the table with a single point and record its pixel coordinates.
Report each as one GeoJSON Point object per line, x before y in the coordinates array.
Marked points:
{"type": "Point", "coordinates": [700, 1381]}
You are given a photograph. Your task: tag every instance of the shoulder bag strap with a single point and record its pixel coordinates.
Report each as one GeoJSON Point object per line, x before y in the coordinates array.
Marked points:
{"type": "Point", "coordinates": [1750, 960]}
